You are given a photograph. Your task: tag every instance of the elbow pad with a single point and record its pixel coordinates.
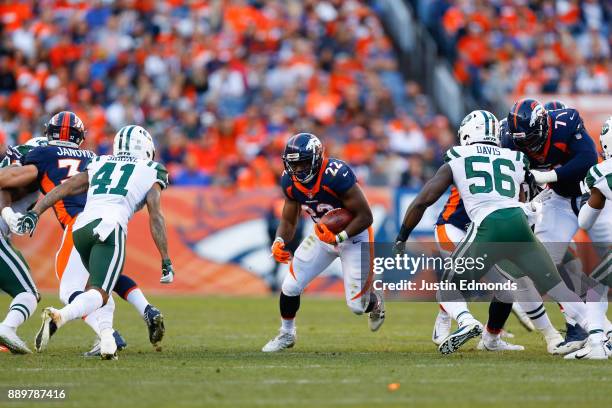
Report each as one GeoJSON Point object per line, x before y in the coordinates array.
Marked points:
{"type": "Point", "coordinates": [587, 216]}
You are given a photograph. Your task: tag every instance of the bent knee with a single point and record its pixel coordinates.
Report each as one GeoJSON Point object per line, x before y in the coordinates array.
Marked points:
{"type": "Point", "coordinates": [291, 287]}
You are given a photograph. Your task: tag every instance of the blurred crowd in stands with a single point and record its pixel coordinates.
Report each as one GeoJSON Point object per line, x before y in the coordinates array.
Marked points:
{"type": "Point", "coordinates": [524, 47]}
{"type": "Point", "coordinates": [220, 84]}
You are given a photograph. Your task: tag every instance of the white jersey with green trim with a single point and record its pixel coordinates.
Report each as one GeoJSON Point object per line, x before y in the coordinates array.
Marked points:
{"type": "Point", "coordinates": [118, 186]}
{"type": "Point", "coordinates": [600, 177]}
{"type": "Point", "coordinates": [488, 177]}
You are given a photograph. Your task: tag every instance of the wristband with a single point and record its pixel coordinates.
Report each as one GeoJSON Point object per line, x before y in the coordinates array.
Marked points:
{"type": "Point", "coordinates": [341, 237]}
{"type": "Point", "coordinates": [278, 239]}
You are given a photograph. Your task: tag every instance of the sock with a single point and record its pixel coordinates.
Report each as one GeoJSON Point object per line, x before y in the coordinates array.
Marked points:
{"type": "Point", "coordinates": [138, 300]}
{"type": "Point", "coordinates": [571, 303]}
{"type": "Point", "coordinates": [488, 337]}
{"type": "Point", "coordinates": [568, 319]}
{"type": "Point", "coordinates": [92, 321]}
{"type": "Point", "coordinates": [464, 317]}
{"type": "Point", "coordinates": [84, 304]}
{"type": "Point", "coordinates": [595, 315]}
{"type": "Point", "coordinates": [537, 313]}
{"type": "Point", "coordinates": [455, 309]}
{"type": "Point", "coordinates": [498, 315]}
{"type": "Point", "coordinates": [102, 318]}
{"type": "Point", "coordinates": [20, 309]}
{"type": "Point", "coordinates": [128, 290]}
{"type": "Point", "coordinates": [289, 305]}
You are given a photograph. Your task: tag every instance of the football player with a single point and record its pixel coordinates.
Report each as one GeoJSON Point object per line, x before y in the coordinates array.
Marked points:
{"type": "Point", "coordinates": [15, 278]}
{"type": "Point", "coordinates": [117, 186]}
{"type": "Point", "coordinates": [561, 152]}
{"type": "Point", "coordinates": [49, 166]}
{"type": "Point", "coordinates": [317, 184]}
{"type": "Point", "coordinates": [599, 183]}
{"type": "Point", "coordinates": [489, 180]}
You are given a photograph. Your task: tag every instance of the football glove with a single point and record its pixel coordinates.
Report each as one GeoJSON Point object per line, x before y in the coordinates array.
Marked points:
{"type": "Point", "coordinates": [167, 271]}
{"type": "Point", "coordinates": [27, 223]}
{"type": "Point", "coordinates": [278, 251]}
{"type": "Point", "coordinates": [543, 177]}
{"type": "Point", "coordinates": [11, 218]}
{"type": "Point", "coordinates": [325, 235]}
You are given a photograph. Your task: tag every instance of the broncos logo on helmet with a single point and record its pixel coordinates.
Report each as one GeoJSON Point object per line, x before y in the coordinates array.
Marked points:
{"type": "Point", "coordinates": [303, 156]}
{"type": "Point", "coordinates": [65, 129]}
{"type": "Point", "coordinates": [528, 124]}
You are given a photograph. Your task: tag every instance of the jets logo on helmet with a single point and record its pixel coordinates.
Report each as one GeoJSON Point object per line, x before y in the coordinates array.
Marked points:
{"type": "Point", "coordinates": [65, 129]}
{"type": "Point", "coordinates": [14, 153]}
{"type": "Point", "coordinates": [303, 157]}
{"type": "Point", "coordinates": [479, 126]}
{"type": "Point", "coordinates": [605, 138]}
{"type": "Point", "coordinates": [134, 141]}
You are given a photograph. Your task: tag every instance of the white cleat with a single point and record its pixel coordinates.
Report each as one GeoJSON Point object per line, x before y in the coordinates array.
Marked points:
{"type": "Point", "coordinates": [460, 336]}
{"type": "Point", "coordinates": [284, 340]}
{"type": "Point", "coordinates": [377, 316]}
{"type": "Point", "coordinates": [10, 340]}
{"type": "Point", "coordinates": [51, 321]}
{"type": "Point", "coordinates": [108, 345]}
{"type": "Point", "coordinates": [565, 348]}
{"type": "Point", "coordinates": [497, 344]}
{"type": "Point", "coordinates": [554, 343]}
{"type": "Point", "coordinates": [442, 327]}
{"type": "Point", "coordinates": [522, 317]}
{"type": "Point", "coordinates": [592, 350]}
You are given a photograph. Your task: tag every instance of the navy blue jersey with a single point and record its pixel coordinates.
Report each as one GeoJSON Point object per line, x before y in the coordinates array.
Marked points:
{"type": "Point", "coordinates": [323, 193]}
{"type": "Point", "coordinates": [569, 150]}
{"type": "Point", "coordinates": [454, 212]}
{"type": "Point", "coordinates": [56, 164]}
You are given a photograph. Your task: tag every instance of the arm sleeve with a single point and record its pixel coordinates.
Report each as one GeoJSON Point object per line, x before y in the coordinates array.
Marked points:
{"type": "Point", "coordinates": [584, 156]}
{"type": "Point", "coordinates": [162, 176]}
{"type": "Point", "coordinates": [587, 216]}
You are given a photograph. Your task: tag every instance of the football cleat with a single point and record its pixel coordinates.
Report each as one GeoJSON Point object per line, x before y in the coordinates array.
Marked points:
{"type": "Point", "coordinates": [460, 336]}
{"type": "Point", "coordinates": [495, 343]}
{"type": "Point", "coordinates": [592, 350]}
{"type": "Point", "coordinates": [155, 323]}
{"type": "Point", "coordinates": [575, 339]}
{"type": "Point", "coordinates": [95, 350]}
{"type": "Point", "coordinates": [522, 317]}
{"type": "Point", "coordinates": [51, 321]}
{"type": "Point", "coordinates": [10, 339]}
{"type": "Point", "coordinates": [377, 316]}
{"type": "Point", "coordinates": [108, 345]}
{"type": "Point", "coordinates": [442, 327]}
{"type": "Point", "coordinates": [284, 340]}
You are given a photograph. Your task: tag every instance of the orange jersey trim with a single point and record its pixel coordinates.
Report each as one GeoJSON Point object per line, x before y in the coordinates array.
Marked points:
{"type": "Point", "coordinates": [63, 255]}
{"type": "Point", "coordinates": [443, 239]}
{"type": "Point", "coordinates": [451, 205]}
{"type": "Point", "coordinates": [317, 186]}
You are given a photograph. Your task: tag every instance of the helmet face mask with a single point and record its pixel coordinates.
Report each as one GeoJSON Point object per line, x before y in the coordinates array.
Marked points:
{"type": "Point", "coordinates": [528, 125]}
{"type": "Point", "coordinates": [605, 139]}
{"type": "Point", "coordinates": [303, 157]}
{"type": "Point", "coordinates": [479, 126]}
{"type": "Point", "coordinates": [134, 141]}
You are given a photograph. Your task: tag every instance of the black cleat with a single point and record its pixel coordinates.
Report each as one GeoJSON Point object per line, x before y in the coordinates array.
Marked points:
{"type": "Point", "coordinates": [155, 323]}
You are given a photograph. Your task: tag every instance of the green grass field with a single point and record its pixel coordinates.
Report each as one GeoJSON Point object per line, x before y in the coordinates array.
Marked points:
{"type": "Point", "coordinates": [211, 358]}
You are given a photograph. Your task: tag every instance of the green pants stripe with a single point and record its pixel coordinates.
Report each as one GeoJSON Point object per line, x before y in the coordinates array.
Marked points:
{"type": "Point", "coordinates": [505, 237]}
{"type": "Point", "coordinates": [15, 275]}
{"type": "Point", "coordinates": [103, 259]}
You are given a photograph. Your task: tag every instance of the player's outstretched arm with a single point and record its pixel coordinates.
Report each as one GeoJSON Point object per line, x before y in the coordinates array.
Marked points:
{"type": "Point", "coordinates": [355, 201]}
{"type": "Point", "coordinates": [286, 230]}
{"type": "Point", "coordinates": [18, 176]}
{"type": "Point", "coordinates": [75, 185]}
{"type": "Point", "coordinates": [590, 211]}
{"type": "Point", "coordinates": [157, 225]}
{"type": "Point", "coordinates": [430, 193]}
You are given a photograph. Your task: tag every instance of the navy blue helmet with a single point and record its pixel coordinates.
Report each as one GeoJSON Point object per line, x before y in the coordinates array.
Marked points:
{"type": "Point", "coordinates": [528, 124]}
{"type": "Point", "coordinates": [554, 105]}
{"type": "Point", "coordinates": [65, 129]}
{"type": "Point", "coordinates": [303, 156]}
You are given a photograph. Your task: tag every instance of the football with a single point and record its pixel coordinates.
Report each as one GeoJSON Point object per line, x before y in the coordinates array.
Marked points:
{"type": "Point", "coordinates": [337, 219]}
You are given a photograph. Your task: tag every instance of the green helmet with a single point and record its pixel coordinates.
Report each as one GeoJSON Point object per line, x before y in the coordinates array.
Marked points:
{"type": "Point", "coordinates": [15, 153]}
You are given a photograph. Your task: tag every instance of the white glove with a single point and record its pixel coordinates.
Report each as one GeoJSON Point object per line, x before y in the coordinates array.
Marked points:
{"type": "Point", "coordinates": [543, 177]}
{"type": "Point", "coordinates": [533, 208]}
{"type": "Point", "coordinates": [543, 196]}
{"type": "Point", "coordinates": [11, 218]}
